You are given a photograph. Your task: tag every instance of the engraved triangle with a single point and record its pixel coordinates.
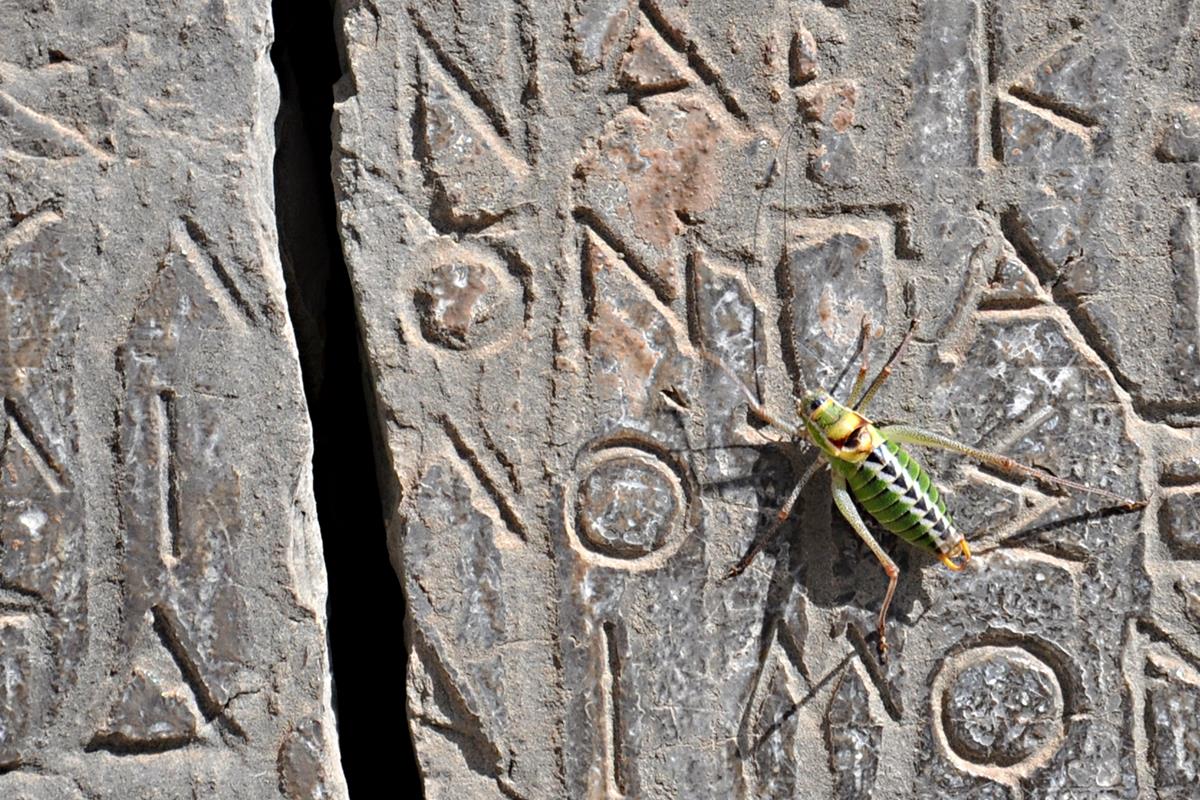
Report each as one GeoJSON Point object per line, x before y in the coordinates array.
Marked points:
{"type": "Point", "coordinates": [154, 709]}
{"type": "Point", "coordinates": [650, 66]}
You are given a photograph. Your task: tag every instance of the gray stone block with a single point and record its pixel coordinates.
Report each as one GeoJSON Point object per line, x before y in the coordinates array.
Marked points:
{"type": "Point", "coordinates": [161, 580]}
{"type": "Point", "coordinates": [575, 233]}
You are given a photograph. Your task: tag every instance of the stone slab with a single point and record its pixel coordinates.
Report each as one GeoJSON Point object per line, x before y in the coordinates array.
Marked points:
{"type": "Point", "coordinates": [162, 592]}
{"type": "Point", "coordinates": [582, 233]}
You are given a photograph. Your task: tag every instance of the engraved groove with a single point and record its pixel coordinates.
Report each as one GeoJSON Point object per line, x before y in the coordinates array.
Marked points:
{"type": "Point", "coordinates": [771, 729]}
{"type": "Point", "coordinates": [1064, 116]}
{"type": "Point", "coordinates": [51, 128]}
{"type": "Point", "coordinates": [1008, 303]}
{"type": "Point", "coordinates": [49, 469]}
{"type": "Point", "coordinates": [898, 215]}
{"type": "Point", "coordinates": [1156, 633]}
{"type": "Point", "coordinates": [28, 226]}
{"type": "Point", "coordinates": [966, 301]}
{"type": "Point", "coordinates": [1181, 474]}
{"type": "Point", "coordinates": [167, 446]}
{"type": "Point", "coordinates": [222, 286]}
{"type": "Point", "coordinates": [510, 466]}
{"type": "Point", "coordinates": [610, 691]}
{"type": "Point", "coordinates": [213, 710]}
{"type": "Point", "coordinates": [484, 103]}
{"type": "Point", "coordinates": [1180, 413]}
{"type": "Point", "coordinates": [120, 744]}
{"type": "Point", "coordinates": [996, 131]}
{"type": "Point", "coordinates": [699, 65]}
{"type": "Point", "coordinates": [1186, 284]}
{"type": "Point", "coordinates": [988, 35]}
{"type": "Point", "coordinates": [592, 221]}
{"type": "Point", "coordinates": [893, 701]}
{"type": "Point", "coordinates": [508, 790]}
{"type": "Point", "coordinates": [531, 94]}
{"type": "Point", "coordinates": [480, 752]}
{"type": "Point", "coordinates": [467, 454]}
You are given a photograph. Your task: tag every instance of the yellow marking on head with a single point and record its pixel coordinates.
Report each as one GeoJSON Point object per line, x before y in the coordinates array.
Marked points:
{"type": "Point", "coordinates": [821, 408]}
{"type": "Point", "coordinates": [871, 439]}
{"type": "Point", "coordinates": [846, 424]}
{"type": "Point", "coordinates": [858, 444]}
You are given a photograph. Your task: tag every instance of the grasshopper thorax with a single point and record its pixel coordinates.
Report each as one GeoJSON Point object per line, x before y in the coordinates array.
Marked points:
{"type": "Point", "coordinates": [839, 431]}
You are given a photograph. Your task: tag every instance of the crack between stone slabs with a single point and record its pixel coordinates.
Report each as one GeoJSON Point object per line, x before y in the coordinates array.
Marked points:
{"type": "Point", "coordinates": [365, 607]}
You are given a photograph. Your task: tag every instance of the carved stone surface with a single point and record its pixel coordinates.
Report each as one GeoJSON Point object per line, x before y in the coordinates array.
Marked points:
{"type": "Point", "coordinates": [1002, 707]}
{"type": "Point", "coordinates": [584, 236]}
{"type": "Point", "coordinates": [162, 620]}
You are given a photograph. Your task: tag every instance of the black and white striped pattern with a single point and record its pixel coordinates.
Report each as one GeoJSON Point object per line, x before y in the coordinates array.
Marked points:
{"type": "Point", "coordinates": [924, 522]}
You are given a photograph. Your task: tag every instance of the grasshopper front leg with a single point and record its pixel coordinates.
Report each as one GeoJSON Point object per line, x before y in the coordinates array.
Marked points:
{"type": "Point", "coordinates": [861, 355]}
{"type": "Point", "coordinates": [908, 434]}
{"type": "Point", "coordinates": [756, 408]}
{"type": "Point", "coordinates": [845, 504]}
{"type": "Point", "coordinates": [860, 403]}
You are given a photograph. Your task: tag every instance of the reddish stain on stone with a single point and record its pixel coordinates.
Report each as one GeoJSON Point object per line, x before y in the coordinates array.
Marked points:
{"type": "Point", "coordinates": [831, 104]}
{"type": "Point", "coordinates": [616, 336]}
{"type": "Point", "coordinates": [802, 57]}
{"type": "Point", "coordinates": [664, 159]}
{"type": "Point", "coordinates": [454, 299]}
{"type": "Point", "coordinates": [633, 346]}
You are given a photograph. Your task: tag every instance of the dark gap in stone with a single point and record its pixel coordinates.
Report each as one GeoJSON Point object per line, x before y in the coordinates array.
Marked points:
{"type": "Point", "coordinates": [366, 606]}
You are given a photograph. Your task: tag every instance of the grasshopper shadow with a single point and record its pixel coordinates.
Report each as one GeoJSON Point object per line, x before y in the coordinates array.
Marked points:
{"type": "Point", "coordinates": [818, 569]}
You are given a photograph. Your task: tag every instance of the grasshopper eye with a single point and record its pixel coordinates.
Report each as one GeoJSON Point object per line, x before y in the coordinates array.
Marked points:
{"type": "Point", "coordinates": [813, 404]}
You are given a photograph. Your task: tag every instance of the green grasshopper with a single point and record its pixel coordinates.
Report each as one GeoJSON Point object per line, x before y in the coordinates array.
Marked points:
{"type": "Point", "coordinates": [870, 467]}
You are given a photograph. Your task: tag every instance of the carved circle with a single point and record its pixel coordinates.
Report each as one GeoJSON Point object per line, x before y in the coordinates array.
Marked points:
{"type": "Point", "coordinates": [999, 709]}
{"type": "Point", "coordinates": [627, 504]}
{"type": "Point", "coordinates": [467, 299]}
{"type": "Point", "coordinates": [630, 506]}
{"type": "Point", "coordinates": [1002, 709]}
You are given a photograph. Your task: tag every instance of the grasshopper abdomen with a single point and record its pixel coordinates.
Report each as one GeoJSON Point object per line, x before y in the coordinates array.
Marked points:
{"type": "Point", "coordinates": [893, 488]}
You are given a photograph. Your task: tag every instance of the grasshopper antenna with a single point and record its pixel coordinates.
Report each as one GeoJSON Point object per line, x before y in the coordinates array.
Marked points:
{"type": "Point", "coordinates": [756, 408]}
{"type": "Point", "coordinates": [772, 169]}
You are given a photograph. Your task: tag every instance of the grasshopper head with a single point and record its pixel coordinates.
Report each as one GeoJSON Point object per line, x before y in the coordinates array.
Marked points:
{"type": "Point", "coordinates": [839, 431]}
{"type": "Point", "coordinates": [818, 407]}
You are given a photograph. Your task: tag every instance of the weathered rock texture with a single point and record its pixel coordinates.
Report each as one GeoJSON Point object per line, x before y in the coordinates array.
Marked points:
{"type": "Point", "coordinates": [161, 584]}
{"type": "Point", "coordinates": [552, 211]}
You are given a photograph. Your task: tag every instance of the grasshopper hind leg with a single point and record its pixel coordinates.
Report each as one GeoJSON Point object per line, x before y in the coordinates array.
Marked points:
{"type": "Point", "coordinates": [845, 504]}
{"type": "Point", "coordinates": [963, 552]}
{"type": "Point", "coordinates": [909, 434]}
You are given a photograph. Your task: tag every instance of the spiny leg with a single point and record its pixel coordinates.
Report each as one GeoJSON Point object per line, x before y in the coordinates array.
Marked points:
{"type": "Point", "coordinates": [756, 408]}
{"type": "Point", "coordinates": [869, 395]}
{"type": "Point", "coordinates": [909, 434]}
{"type": "Point", "coordinates": [860, 380]}
{"type": "Point", "coordinates": [856, 389]}
{"type": "Point", "coordinates": [781, 517]}
{"type": "Point", "coordinates": [845, 504]}
{"type": "Point", "coordinates": [862, 356]}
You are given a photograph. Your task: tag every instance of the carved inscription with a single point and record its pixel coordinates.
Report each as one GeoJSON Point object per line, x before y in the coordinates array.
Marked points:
{"type": "Point", "coordinates": [692, 209]}
{"type": "Point", "coordinates": [180, 503]}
